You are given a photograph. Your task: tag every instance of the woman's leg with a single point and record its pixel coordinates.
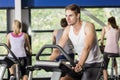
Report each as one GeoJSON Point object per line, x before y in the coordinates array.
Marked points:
{"type": "Point", "coordinates": [12, 72]}
{"type": "Point", "coordinates": [106, 61]}
{"type": "Point", "coordinates": [25, 77]}
{"type": "Point", "coordinates": [24, 72]}
{"type": "Point", "coordinates": [115, 66]}
{"type": "Point", "coordinates": [11, 69]}
{"type": "Point", "coordinates": [66, 77]}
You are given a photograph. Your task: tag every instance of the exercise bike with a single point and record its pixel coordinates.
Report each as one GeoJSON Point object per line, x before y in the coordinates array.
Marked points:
{"type": "Point", "coordinates": [53, 66]}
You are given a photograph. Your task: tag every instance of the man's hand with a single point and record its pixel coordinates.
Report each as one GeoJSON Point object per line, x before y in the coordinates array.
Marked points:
{"type": "Point", "coordinates": [77, 68]}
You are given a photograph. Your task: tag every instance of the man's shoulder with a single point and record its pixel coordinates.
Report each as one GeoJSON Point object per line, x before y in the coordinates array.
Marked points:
{"type": "Point", "coordinates": [89, 24]}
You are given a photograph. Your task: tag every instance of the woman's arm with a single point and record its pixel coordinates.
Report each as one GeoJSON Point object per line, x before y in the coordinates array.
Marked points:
{"type": "Point", "coordinates": [102, 36]}
{"type": "Point", "coordinates": [8, 40]}
{"type": "Point", "coordinates": [27, 43]}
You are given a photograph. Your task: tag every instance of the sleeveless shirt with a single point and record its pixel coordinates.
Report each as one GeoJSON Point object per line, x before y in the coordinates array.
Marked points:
{"type": "Point", "coordinates": [112, 39]}
{"type": "Point", "coordinates": [17, 45]}
{"type": "Point", "coordinates": [68, 47]}
{"type": "Point", "coordinates": [78, 43]}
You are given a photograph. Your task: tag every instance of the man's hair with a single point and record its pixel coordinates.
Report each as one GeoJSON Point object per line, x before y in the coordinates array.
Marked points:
{"type": "Point", "coordinates": [63, 22]}
{"type": "Point", "coordinates": [74, 8]}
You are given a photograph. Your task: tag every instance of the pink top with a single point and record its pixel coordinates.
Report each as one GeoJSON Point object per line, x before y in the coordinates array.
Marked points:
{"type": "Point", "coordinates": [16, 35]}
{"type": "Point", "coordinates": [112, 38]}
{"type": "Point", "coordinates": [17, 43]}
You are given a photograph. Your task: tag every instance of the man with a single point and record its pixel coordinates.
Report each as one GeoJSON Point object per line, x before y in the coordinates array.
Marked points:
{"type": "Point", "coordinates": [83, 36]}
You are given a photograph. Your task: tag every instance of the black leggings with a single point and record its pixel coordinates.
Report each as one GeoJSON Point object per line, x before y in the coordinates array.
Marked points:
{"type": "Point", "coordinates": [106, 59]}
{"type": "Point", "coordinates": [22, 67]}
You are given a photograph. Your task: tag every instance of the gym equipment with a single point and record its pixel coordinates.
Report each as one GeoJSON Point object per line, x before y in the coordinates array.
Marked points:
{"type": "Point", "coordinates": [56, 67]}
{"type": "Point", "coordinates": [60, 49]}
{"type": "Point", "coordinates": [2, 68]}
{"type": "Point", "coordinates": [6, 61]}
{"type": "Point", "coordinates": [111, 76]}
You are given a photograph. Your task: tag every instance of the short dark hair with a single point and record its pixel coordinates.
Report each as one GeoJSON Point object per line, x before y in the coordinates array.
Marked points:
{"type": "Point", "coordinates": [63, 22]}
{"type": "Point", "coordinates": [73, 7]}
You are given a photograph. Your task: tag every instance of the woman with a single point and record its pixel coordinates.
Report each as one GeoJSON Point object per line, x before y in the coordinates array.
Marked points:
{"type": "Point", "coordinates": [112, 33]}
{"type": "Point", "coordinates": [18, 42]}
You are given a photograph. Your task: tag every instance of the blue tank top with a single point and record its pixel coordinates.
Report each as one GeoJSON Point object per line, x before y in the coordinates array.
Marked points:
{"type": "Point", "coordinates": [68, 47]}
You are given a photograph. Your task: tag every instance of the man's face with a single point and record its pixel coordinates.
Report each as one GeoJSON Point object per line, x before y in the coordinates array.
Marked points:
{"type": "Point", "coordinates": [71, 17]}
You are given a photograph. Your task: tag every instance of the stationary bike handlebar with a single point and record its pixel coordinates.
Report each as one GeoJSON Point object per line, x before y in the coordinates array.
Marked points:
{"type": "Point", "coordinates": [4, 45]}
{"type": "Point", "coordinates": [60, 49]}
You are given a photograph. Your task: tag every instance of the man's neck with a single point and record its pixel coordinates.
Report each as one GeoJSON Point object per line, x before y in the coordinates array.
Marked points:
{"type": "Point", "coordinates": [77, 25]}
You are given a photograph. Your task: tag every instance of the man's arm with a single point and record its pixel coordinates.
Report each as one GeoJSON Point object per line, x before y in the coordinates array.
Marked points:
{"type": "Point", "coordinates": [64, 37]}
{"type": "Point", "coordinates": [53, 55]}
{"type": "Point", "coordinates": [54, 36]}
{"type": "Point", "coordinates": [89, 40]}
{"type": "Point", "coordinates": [62, 43]}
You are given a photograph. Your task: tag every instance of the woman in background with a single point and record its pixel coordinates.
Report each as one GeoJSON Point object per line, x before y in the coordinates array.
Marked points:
{"type": "Point", "coordinates": [18, 42]}
{"type": "Point", "coordinates": [112, 33]}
